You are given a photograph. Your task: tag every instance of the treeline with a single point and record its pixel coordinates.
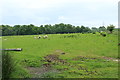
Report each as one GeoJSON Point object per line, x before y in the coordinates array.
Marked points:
{"type": "Point", "coordinates": [47, 29]}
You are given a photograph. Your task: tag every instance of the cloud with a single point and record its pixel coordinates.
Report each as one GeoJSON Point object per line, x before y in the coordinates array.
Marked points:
{"type": "Point", "coordinates": [76, 12]}
{"type": "Point", "coordinates": [62, 19]}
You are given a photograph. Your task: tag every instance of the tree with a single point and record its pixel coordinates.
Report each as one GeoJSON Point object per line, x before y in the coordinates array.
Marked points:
{"type": "Point", "coordinates": [47, 29]}
{"type": "Point", "coordinates": [7, 30]}
{"type": "Point", "coordinates": [16, 29]}
{"type": "Point", "coordinates": [69, 28]}
{"type": "Point", "coordinates": [78, 29]}
{"type": "Point", "coordinates": [110, 28]}
{"type": "Point", "coordinates": [94, 29]}
{"type": "Point", "coordinates": [42, 29]}
{"type": "Point", "coordinates": [83, 29]}
{"type": "Point", "coordinates": [102, 28]}
{"type": "Point", "coordinates": [87, 29]}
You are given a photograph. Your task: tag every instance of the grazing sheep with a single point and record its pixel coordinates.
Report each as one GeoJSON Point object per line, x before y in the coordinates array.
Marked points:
{"type": "Point", "coordinates": [34, 37]}
{"type": "Point", "coordinates": [103, 34]}
{"type": "Point", "coordinates": [46, 36]}
{"type": "Point", "coordinates": [39, 37]}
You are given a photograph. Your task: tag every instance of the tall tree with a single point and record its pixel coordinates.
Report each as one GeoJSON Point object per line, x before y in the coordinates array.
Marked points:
{"type": "Point", "coordinates": [94, 29]}
{"type": "Point", "coordinates": [16, 29]}
{"type": "Point", "coordinates": [102, 28]}
{"type": "Point", "coordinates": [83, 29]}
{"type": "Point", "coordinates": [43, 29]}
{"type": "Point", "coordinates": [78, 29]}
{"type": "Point", "coordinates": [110, 28]}
{"type": "Point", "coordinates": [7, 30]}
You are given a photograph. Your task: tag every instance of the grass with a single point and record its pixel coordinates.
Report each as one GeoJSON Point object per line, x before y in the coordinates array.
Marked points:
{"type": "Point", "coordinates": [11, 68]}
{"type": "Point", "coordinates": [86, 45]}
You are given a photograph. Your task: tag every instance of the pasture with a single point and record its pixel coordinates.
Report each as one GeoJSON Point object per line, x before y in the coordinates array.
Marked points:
{"type": "Point", "coordinates": [65, 55]}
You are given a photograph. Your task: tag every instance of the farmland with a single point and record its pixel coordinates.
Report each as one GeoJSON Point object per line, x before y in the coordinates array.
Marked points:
{"type": "Point", "coordinates": [73, 55]}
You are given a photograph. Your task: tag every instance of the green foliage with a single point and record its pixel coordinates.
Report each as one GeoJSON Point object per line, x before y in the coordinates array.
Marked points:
{"type": "Point", "coordinates": [8, 65]}
{"type": "Point", "coordinates": [20, 72]}
{"type": "Point", "coordinates": [50, 29]}
{"type": "Point", "coordinates": [94, 29]}
{"type": "Point", "coordinates": [11, 68]}
{"type": "Point", "coordinates": [31, 63]}
{"type": "Point", "coordinates": [110, 28]}
{"type": "Point", "coordinates": [102, 28]}
{"type": "Point", "coordinates": [46, 29]}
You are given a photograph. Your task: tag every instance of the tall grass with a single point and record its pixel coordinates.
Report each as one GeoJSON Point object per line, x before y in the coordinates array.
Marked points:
{"type": "Point", "coordinates": [8, 65]}
{"type": "Point", "coordinates": [11, 68]}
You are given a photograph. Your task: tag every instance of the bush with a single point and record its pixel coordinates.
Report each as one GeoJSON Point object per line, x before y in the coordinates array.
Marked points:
{"type": "Point", "coordinates": [11, 69]}
{"type": "Point", "coordinates": [94, 33]}
{"type": "Point", "coordinates": [7, 65]}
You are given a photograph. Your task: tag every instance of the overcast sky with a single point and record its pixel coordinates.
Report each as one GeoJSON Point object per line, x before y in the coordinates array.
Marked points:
{"type": "Point", "coordinates": [90, 13]}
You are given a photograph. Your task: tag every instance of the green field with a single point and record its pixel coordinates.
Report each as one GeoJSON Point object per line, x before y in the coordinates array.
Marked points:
{"type": "Point", "coordinates": [65, 55]}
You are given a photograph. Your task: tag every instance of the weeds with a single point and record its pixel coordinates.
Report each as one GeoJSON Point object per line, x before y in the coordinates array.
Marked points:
{"type": "Point", "coordinates": [8, 65]}
{"type": "Point", "coordinates": [11, 68]}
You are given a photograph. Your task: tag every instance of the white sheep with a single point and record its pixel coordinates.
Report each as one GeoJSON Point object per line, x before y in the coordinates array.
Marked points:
{"type": "Point", "coordinates": [34, 37]}
{"type": "Point", "coordinates": [46, 36]}
{"type": "Point", "coordinates": [39, 37]}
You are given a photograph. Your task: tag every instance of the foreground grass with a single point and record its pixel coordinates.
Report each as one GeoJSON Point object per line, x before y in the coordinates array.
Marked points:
{"type": "Point", "coordinates": [90, 47]}
{"type": "Point", "coordinates": [11, 68]}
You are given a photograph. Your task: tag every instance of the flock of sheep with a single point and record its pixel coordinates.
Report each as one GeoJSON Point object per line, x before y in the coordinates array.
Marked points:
{"type": "Point", "coordinates": [46, 36]}
{"type": "Point", "coordinates": [39, 37]}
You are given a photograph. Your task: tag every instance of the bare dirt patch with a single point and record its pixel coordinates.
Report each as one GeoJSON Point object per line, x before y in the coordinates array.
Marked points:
{"type": "Point", "coordinates": [109, 58]}
{"type": "Point", "coordinates": [50, 60]}
{"type": "Point", "coordinates": [37, 72]}
{"type": "Point", "coordinates": [103, 57]}
{"type": "Point", "coordinates": [82, 57]}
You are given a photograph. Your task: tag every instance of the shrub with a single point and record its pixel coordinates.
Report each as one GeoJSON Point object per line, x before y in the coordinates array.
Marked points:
{"type": "Point", "coordinates": [7, 65]}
